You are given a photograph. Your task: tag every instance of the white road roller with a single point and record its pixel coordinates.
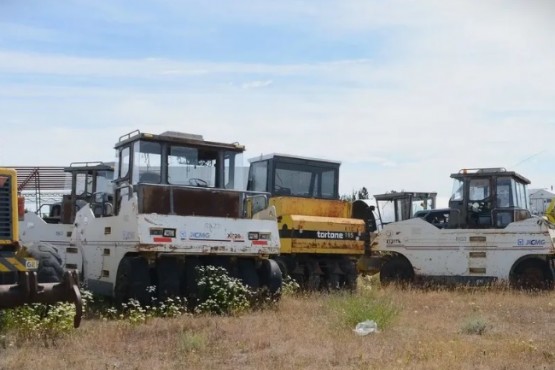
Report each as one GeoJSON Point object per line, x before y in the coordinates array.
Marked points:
{"type": "Point", "coordinates": [174, 204]}
{"type": "Point", "coordinates": [489, 235]}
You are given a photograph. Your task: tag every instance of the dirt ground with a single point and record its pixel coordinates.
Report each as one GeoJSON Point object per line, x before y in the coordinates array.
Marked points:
{"type": "Point", "coordinates": [432, 330]}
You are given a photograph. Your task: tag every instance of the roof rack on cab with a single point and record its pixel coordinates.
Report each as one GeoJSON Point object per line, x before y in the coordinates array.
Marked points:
{"type": "Point", "coordinates": [482, 170]}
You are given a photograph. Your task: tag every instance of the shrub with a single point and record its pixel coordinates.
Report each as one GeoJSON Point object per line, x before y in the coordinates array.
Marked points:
{"type": "Point", "coordinates": [474, 325]}
{"type": "Point", "coordinates": [289, 286]}
{"type": "Point", "coordinates": [351, 309]}
{"type": "Point", "coordinates": [47, 322]}
{"type": "Point", "coordinates": [219, 293]}
{"type": "Point", "coordinates": [135, 313]}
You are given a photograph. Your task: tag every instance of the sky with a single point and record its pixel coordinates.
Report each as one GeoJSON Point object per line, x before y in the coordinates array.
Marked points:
{"type": "Point", "coordinates": [403, 93]}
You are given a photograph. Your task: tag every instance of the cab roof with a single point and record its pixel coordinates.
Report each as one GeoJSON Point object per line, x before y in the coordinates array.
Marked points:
{"type": "Point", "coordinates": [488, 172]}
{"type": "Point", "coordinates": [292, 157]}
{"type": "Point", "coordinates": [179, 138]}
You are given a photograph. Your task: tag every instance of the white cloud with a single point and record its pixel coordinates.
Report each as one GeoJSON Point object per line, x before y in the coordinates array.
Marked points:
{"type": "Point", "coordinates": [464, 84]}
{"type": "Point", "coordinates": [256, 84]}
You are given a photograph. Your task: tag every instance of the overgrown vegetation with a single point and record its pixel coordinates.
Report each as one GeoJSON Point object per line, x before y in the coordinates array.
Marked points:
{"type": "Point", "coordinates": [314, 331]}
{"type": "Point", "coordinates": [45, 322]}
{"type": "Point", "coordinates": [351, 309]}
{"type": "Point", "coordinates": [220, 293]}
{"type": "Point", "coordinates": [474, 325]}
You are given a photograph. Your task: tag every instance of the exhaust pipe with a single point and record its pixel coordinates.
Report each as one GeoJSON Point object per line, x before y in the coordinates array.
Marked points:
{"type": "Point", "coordinates": [27, 290]}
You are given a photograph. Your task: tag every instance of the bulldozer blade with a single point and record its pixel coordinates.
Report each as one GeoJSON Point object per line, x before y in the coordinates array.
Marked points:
{"type": "Point", "coordinates": [27, 290]}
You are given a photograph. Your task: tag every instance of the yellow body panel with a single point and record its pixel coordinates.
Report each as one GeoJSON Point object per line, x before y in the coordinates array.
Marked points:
{"type": "Point", "coordinates": [311, 207]}
{"type": "Point", "coordinates": [318, 226]}
{"type": "Point", "coordinates": [13, 205]}
{"type": "Point", "coordinates": [550, 211]}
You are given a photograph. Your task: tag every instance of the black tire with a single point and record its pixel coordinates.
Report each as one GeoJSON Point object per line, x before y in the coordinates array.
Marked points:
{"type": "Point", "coordinates": [132, 280]}
{"type": "Point", "coordinates": [313, 278]}
{"type": "Point", "coordinates": [350, 273]}
{"type": "Point", "coordinates": [271, 277]}
{"type": "Point", "coordinates": [396, 270]}
{"type": "Point", "coordinates": [282, 266]}
{"type": "Point", "coordinates": [247, 273]}
{"type": "Point", "coordinates": [189, 280]}
{"type": "Point", "coordinates": [532, 275]}
{"type": "Point", "coordinates": [168, 273]}
{"type": "Point", "coordinates": [50, 263]}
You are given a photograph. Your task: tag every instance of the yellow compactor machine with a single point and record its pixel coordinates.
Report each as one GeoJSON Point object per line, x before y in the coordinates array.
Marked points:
{"type": "Point", "coordinates": [320, 239]}
{"type": "Point", "coordinates": [34, 274]}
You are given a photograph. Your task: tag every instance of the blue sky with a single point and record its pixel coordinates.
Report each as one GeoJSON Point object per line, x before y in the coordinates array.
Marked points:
{"type": "Point", "coordinates": [402, 92]}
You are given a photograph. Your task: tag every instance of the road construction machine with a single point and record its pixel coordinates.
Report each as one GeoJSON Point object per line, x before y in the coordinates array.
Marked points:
{"type": "Point", "coordinates": [320, 239]}
{"type": "Point", "coordinates": [174, 205]}
{"type": "Point", "coordinates": [29, 274]}
{"type": "Point", "coordinates": [550, 211]}
{"type": "Point", "coordinates": [52, 223]}
{"type": "Point", "coordinates": [392, 207]}
{"type": "Point", "coordinates": [490, 236]}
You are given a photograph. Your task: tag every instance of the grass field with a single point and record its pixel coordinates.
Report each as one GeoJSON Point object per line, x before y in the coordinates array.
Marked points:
{"type": "Point", "coordinates": [489, 328]}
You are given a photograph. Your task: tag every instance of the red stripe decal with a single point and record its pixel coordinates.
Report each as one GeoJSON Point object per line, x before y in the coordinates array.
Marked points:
{"type": "Point", "coordinates": [162, 239]}
{"type": "Point", "coordinates": [260, 242]}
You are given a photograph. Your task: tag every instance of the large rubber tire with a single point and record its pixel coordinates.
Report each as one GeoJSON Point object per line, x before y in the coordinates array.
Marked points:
{"type": "Point", "coordinates": [168, 272]}
{"type": "Point", "coordinates": [271, 277]}
{"type": "Point", "coordinates": [313, 275]}
{"type": "Point", "coordinates": [247, 273]}
{"type": "Point", "coordinates": [189, 281]}
{"type": "Point", "coordinates": [532, 275]}
{"type": "Point", "coordinates": [282, 263]}
{"type": "Point", "coordinates": [50, 263]}
{"type": "Point", "coordinates": [396, 270]}
{"type": "Point", "coordinates": [132, 280]}
{"type": "Point", "coordinates": [350, 273]}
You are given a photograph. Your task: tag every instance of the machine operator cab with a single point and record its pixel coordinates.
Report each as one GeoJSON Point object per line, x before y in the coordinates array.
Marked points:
{"type": "Point", "coordinates": [91, 183]}
{"type": "Point", "coordinates": [487, 198]}
{"type": "Point", "coordinates": [283, 175]}
{"type": "Point", "coordinates": [166, 171]}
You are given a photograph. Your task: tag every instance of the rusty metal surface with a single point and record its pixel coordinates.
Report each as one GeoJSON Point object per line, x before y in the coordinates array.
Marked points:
{"type": "Point", "coordinates": [28, 290]}
{"type": "Point", "coordinates": [311, 207]}
{"type": "Point", "coordinates": [186, 201]}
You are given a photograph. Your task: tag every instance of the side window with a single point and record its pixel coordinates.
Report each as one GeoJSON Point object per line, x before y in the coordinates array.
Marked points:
{"type": "Point", "coordinates": [259, 176]}
{"type": "Point", "coordinates": [457, 193]}
{"type": "Point", "coordinates": [124, 162]}
{"type": "Point", "coordinates": [328, 184]}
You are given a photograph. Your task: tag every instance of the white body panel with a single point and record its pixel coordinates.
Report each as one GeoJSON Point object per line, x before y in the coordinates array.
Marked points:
{"type": "Point", "coordinates": [33, 230]}
{"type": "Point", "coordinates": [105, 241]}
{"type": "Point", "coordinates": [465, 252]}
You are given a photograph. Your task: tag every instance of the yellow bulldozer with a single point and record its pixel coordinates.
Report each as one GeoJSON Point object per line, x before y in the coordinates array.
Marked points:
{"type": "Point", "coordinates": [33, 274]}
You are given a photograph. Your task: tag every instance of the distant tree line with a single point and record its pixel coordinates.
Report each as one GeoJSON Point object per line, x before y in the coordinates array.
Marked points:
{"type": "Point", "coordinates": [362, 193]}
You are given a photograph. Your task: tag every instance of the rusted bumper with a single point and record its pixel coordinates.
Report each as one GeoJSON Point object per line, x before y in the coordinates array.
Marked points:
{"type": "Point", "coordinates": [28, 290]}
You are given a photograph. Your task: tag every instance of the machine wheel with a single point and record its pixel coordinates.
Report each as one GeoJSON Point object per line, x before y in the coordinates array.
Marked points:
{"type": "Point", "coordinates": [282, 266]}
{"type": "Point", "coordinates": [50, 263]}
{"type": "Point", "coordinates": [132, 280]}
{"type": "Point", "coordinates": [333, 274]}
{"type": "Point", "coordinates": [168, 273]}
{"type": "Point", "coordinates": [189, 280]}
{"type": "Point", "coordinates": [350, 273]}
{"type": "Point", "coordinates": [532, 275]}
{"type": "Point", "coordinates": [396, 270]}
{"type": "Point", "coordinates": [271, 277]}
{"type": "Point", "coordinates": [313, 275]}
{"type": "Point", "coordinates": [247, 273]}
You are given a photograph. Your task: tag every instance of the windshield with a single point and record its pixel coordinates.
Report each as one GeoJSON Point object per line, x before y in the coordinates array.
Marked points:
{"type": "Point", "coordinates": [84, 182]}
{"type": "Point", "coordinates": [187, 166]}
{"type": "Point", "coordinates": [306, 181]}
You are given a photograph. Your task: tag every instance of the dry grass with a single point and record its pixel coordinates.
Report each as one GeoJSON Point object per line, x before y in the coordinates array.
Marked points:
{"type": "Point", "coordinates": [308, 332]}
